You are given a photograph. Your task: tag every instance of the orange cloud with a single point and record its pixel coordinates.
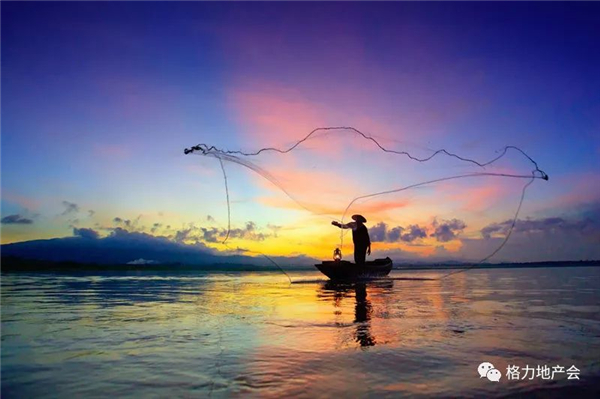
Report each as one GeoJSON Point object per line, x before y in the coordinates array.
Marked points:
{"type": "Point", "coordinates": [319, 190]}
{"type": "Point", "coordinates": [279, 116]}
{"type": "Point", "coordinates": [480, 193]}
{"type": "Point", "coordinates": [374, 210]}
{"type": "Point", "coordinates": [480, 197]}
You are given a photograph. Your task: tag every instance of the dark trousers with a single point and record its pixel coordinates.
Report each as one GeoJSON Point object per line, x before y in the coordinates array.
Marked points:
{"type": "Point", "coordinates": [360, 254]}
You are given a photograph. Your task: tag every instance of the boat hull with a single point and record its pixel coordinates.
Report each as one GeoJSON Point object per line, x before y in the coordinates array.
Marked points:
{"type": "Point", "coordinates": [348, 271]}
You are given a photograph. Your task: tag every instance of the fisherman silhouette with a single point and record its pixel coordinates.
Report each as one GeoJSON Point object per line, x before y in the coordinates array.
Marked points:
{"type": "Point", "coordinates": [360, 237]}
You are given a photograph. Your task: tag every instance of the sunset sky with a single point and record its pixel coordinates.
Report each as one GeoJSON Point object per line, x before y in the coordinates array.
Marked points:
{"type": "Point", "coordinates": [100, 99]}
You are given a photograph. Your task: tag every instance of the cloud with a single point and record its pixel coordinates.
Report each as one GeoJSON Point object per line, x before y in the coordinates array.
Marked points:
{"type": "Point", "coordinates": [478, 195]}
{"type": "Point", "coordinates": [394, 233]}
{"type": "Point", "coordinates": [573, 236]}
{"type": "Point", "coordinates": [182, 235]}
{"type": "Point", "coordinates": [249, 232]}
{"type": "Point", "coordinates": [586, 226]}
{"type": "Point", "coordinates": [155, 227]}
{"type": "Point", "coordinates": [493, 228]}
{"type": "Point", "coordinates": [414, 232]}
{"type": "Point", "coordinates": [70, 207]}
{"type": "Point", "coordinates": [447, 229]}
{"type": "Point", "coordinates": [382, 233]}
{"type": "Point", "coordinates": [273, 113]}
{"type": "Point", "coordinates": [16, 219]}
{"type": "Point", "coordinates": [209, 234]}
{"type": "Point", "coordinates": [128, 224]}
{"type": "Point", "coordinates": [320, 190]}
{"type": "Point", "coordinates": [377, 233]}
{"type": "Point", "coordinates": [274, 227]}
{"type": "Point", "coordinates": [544, 239]}
{"type": "Point", "coordinates": [85, 233]}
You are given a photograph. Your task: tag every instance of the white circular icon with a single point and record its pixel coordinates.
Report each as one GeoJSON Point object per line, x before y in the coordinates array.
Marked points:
{"type": "Point", "coordinates": [493, 375]}
{"type": "Point", "coordinates": [487, 369]}
{"type": "Point", "coordinates": [484, 368]}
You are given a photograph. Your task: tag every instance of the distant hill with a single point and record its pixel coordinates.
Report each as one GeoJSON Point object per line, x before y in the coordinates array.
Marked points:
{"type": "Point", "coordinates": [132, 248]}
{"type": "Point", "coordinates": [134, 251]}
{"type": "Point", "coordinates": [16, 264]}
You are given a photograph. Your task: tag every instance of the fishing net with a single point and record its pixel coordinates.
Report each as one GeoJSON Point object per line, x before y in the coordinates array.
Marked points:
{"type": "Point", "coordinates": [420, 202]}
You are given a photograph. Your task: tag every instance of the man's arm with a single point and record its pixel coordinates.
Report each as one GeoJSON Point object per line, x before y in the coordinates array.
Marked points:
{"type": "Point", "coordinates": [351, 225]}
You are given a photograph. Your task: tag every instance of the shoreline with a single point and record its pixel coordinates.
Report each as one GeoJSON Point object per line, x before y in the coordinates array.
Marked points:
{"type": "Point", "coordinates": [13, 264]}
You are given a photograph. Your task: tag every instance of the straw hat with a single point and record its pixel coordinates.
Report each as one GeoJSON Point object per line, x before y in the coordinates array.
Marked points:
{"type": "Point", "coordinates": [359, 218]}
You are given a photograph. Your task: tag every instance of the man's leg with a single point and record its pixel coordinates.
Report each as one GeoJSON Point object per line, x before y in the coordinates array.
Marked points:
{"type": "Point", "coordinates": [360, 254]}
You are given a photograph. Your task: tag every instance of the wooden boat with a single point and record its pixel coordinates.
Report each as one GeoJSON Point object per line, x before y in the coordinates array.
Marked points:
{"type": "Point", "coordinates": [343, 270]}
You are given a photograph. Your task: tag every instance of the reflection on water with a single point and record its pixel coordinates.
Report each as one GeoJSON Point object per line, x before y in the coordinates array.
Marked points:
{"type": "Point", "coordinates": [242, 334]}
{"type": "Point", "coordinates": [363, 316]}
{"type": "Point", "coordinates": [363, 308]}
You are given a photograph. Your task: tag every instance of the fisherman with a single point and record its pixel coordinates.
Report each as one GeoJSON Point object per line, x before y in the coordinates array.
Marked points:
{"type": "Point", "coordinates": [360, 237]}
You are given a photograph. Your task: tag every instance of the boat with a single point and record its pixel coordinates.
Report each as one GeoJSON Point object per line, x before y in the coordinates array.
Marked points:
{"type": "Point", "coordinates": [343, 270]}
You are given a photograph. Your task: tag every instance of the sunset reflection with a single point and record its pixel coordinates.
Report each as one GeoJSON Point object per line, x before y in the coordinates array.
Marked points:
{"type": "Point", "coordinates": [244, 334]}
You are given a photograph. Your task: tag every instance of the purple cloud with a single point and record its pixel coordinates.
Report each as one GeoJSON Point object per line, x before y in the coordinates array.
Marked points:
{"type": "Point", "coordinates": [447, 230]}
{"type": "Point", "coordinates": [382, 233]}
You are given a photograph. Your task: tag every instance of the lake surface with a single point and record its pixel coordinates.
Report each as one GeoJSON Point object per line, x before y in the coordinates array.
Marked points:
{"type": "Point", "coordinates": [253, 334]}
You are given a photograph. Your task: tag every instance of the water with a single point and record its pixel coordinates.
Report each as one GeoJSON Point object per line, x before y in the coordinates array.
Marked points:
{"type": "Point", "coordinates": [253, 334]}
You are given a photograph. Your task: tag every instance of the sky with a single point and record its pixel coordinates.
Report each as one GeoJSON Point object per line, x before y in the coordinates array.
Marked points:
{"type": "Point", "coordinates": [100, 99]}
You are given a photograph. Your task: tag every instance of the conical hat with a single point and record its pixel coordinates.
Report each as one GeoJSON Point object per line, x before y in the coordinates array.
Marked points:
{"type": "Point", "coordinates": [359, 218]}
